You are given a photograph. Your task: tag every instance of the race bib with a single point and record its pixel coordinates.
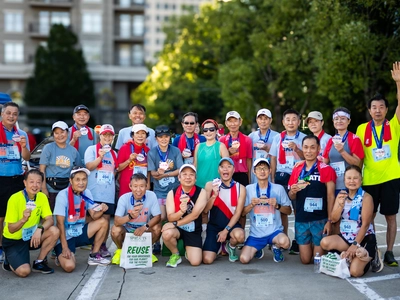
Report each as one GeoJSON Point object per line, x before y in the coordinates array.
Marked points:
{"type": "Point", "coordinates": [348, 226]}
{"type": "Point", "coordinates": [13, 152]}
{"type": "Point", "coordinates": [142, 170]}
{"type": "Point", "coordinates": [311, 204]}
{"type": "Point", "coordinates": [164, 182]}
{"type": "Point", "coordinates": [264, 220]}
{"type": "Point", "coordinates": [381, 154]}
{"type": "Point", "coordinates": [339, 168]}
{"type": "Point", "coordinates": [104, 177]}
{"type": "Point", "coordinates": [289, 162]}
{"type": "Point", "coordinates": [74, 230]}
{"type": "Point", "coordinates": [188, 227]}
{"type": "Point", "coordinates": [188, 160]}
{"type": "Point", "coordinates": [28, 232]}
{"type": "Point", "coordinates": [261, 154]}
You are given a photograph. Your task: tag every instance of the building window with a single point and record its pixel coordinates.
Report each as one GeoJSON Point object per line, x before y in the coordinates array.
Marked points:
{"type": "Point", "coordinates": [46, 19]}
{"type": "Point", "coordinates": [173, 6]}
{"type": "Point", "coordinates": [124, 3]}
{"type": "Point", "coordinates": [124, 26]}
{"type": "Point", "coordinates": [92, 52]}
{"type": "Point", "coordinates": [124, 55]}
{"type": "Point", "coordinates": [158, 18]}
{"type": "Point", "coordinates": [58, 17]}
{"type": "Point", "coordinates": [138, 25]}
{"type": "Point", "coordinates": [13, 21]}
{"type": "Point", "coordinates": [91, 22]}
{"type": "Point", "coordinates": [138, 1]}
{"type": "Point", "coordinates": [158, 5]}
{"type": "Point", "coordinates": [137, 55]}
{"type": "Point", "coordinates": [14, 52]}
{"type": "Point", "coordinates": [166, 18]}
{"type": "Point", "coordinates": [166, 6]}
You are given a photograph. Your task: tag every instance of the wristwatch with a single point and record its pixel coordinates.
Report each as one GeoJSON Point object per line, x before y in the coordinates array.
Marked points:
{"type": "Point", "coordinates": [129, 216]}
{"type": "Point", "coordinates": [228, 228]}
{"type": "Point", "coordinates": [41, 227]}
{"type": "Point", "coordinates": [175, 223]}
{"type": "Point", "coordinates": [355, 243]}
{"type": "Point", "coordinates": [279, 206]}
{"type": "Point", "coordinates": [147, 226]}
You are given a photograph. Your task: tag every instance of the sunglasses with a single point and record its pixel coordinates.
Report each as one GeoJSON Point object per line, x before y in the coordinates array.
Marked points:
{"type": "Point", "coordinates": [212, 129]}
{"type": "Point", "coordinates": [189, 123]}
{"type": "Point", "coordinates": [162, 132]}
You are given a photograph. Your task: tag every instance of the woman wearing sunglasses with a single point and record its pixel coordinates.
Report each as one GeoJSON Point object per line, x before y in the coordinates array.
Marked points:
{"type": "Point", "coordinates": [207, 155]}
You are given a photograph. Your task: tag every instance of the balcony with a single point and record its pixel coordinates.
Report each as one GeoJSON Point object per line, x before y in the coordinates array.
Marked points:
{"type": "Point", "coordinates": [51, 3]}
{"type": "Point", "coordinates": [127, 36]}
{"type": "Point", "coordinates": [41, 31]}
{"type": "Point", "coordinates": [129, 5]}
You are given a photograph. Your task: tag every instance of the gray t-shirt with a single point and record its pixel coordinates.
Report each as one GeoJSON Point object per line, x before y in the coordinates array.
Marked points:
{"type": "Point", "coordinates": [264, 219]}
{"type": "Point", "coordinates": [150, 208]}
{"type": "Point", "coordinates": [124, 136]}
{"type": "Point", "coordinates": [84, 142]}
{"type": "Point", "coordinates": [164, 185]}
{"type": "Point", "coordinates": [59, 161]}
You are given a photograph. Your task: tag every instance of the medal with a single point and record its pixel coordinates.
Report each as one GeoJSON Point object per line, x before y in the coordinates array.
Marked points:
{"type": "Point", "coordinates": [216, 182]}
{"type": "Point", "coordinates": [235, 144]}
{"type": "Point", "coordinates": [337, 139]}
{"type": "Point", "coordinates": [163, 165]}
{"type": "Point", "coordinates": [260, 144]}
{"type": "Point", "coordinates": [285, 144]}
{"type": "Point", "coordinates": [302, 184]}
{"type": "Point", "coordinates": [186, 152]}
{"type": "Point", "coordinates": [84, 131]}
{"type": "Point", "coordinates": [140, 157]}
{"type": "Point", "coordinates": [16, 138]}
{"type": "Point", "coordinates": [106, 148]}
{"type": "Point", "coordinates": [30, 205]}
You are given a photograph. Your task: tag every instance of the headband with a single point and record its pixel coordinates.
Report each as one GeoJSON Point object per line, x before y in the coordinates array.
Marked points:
{"type": "Point", "coordinates": [341, 114]}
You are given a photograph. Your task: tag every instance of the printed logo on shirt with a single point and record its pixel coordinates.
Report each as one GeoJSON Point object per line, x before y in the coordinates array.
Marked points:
{"type": "Point", "coordinates": [63, 161]}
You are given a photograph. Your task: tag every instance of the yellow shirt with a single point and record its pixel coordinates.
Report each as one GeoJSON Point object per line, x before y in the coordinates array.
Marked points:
{"type": "Point", "coordinates": [377, 171]}
{"type": "Point", "coordinates": [15, 211]}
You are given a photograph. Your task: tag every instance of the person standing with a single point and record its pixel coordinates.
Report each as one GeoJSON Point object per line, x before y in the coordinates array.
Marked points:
{"type": "Point", "coordinates": [315, 122]}
{"type": "Point", "coordinates": [380, 138]}
{"type": "Point", "coordinates": [262, 138]}
{"type": "Point", "coordinates": [80, 135]}
{"type": "Point", "coordinates": [14, 147]}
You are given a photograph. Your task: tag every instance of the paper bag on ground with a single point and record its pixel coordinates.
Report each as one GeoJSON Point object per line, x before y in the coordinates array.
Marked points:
{"type": "Point", "coordinates": [136, 251]}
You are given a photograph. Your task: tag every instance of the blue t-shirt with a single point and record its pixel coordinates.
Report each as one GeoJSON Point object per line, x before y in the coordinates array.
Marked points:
{"type": "Point", "coordinates": [10, 157]}
{"type": "Point", "coordinates": [259, 225]}
{"type": "Point", "coordinates": [84, 143]}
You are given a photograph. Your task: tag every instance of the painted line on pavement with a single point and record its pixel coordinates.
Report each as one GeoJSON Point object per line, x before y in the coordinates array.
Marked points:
{"type": "Point", "coordinates": [384, 246]}
{"type": "Point", "coordinates": [360, 284]}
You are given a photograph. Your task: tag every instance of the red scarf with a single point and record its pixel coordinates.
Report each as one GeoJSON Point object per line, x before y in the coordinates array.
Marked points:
{"type": "Point", "coordinates": [221, 204]}
{"type": "Point", "coordinates": [321, 134]}
{"type": "Point", "coordinates": [73, 129]}
{"type": "Point", "coordinates": [3, 137]}
{"type": "Point", "coordinates": [178, 194]}
{"type": "Point", "coordinates": [282, 155]}
{"type": "Point", "coordinates": [138, 149]}
{"type": "Point", "coordinates": [98, 147]}
{"type": "Point", "coordinates": [387, 135]}
{"type": "Point", "coordinates": [71, 204]}
{"type": "Point", "coordinates": [241, 150]}
{"type": "Point", "coordinates": [182, 142]}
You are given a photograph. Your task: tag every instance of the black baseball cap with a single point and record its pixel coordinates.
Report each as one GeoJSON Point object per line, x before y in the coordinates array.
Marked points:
{"type": "Point", "coordinates": [80, 107]}
{"type": "Point", "coordinates": [162, 130]}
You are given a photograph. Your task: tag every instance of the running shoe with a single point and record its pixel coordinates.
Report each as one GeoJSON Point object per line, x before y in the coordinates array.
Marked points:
{"type": "Point", "coordinates": [6, 266]}
{"type": "Point", "coordinates": [174, 261]}
{"type": "Point", "coordinates": [259, 254]}
{"type": "Point", "coordinates": [389, 259]}
{"type": "Point", "coordinates": [104, 251]}
{"type": "Point", "coordinates": [278, 255]}
{"type": "Point", "coordinates": [96, 259]}
{"type": "Point", "coordinates": [294, 250]}
{"type": "Point", "coordinates": [154, 259]}
{"type": "Point", "coordinates": [117, 257]}
{"type": "Point", "coordinates": [157, 248]}
{"type": "Point", "coordinates": [1, 256]}
{"type": "Point", "coordinates": [377, 263]}
{"type": "Point", "coordinates": [87, 247]}
{"type": "Point", "coordinates": [41, 267]}
{"type": "Point", "coordinates": [57, 262]}
{"type": "Point", "coordinates": [53, 254]}
{"type": "Point", "coordinates": [231, 252]}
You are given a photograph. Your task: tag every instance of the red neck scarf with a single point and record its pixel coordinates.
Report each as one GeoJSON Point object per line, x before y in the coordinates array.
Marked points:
{"type": "Point", "coordinates": [3, 137]}
{"type": "Point", "coordinates": [228, 143]}
{"type": "Point", "coordinates": [282, 155]}
{"type": "Point", "coordinates": [139, 149]}
{"type": "Point", "coordinates": [183, 144]}
{"type": "Point", "coordinates": [178, 194]}
{"type": "Point", "coordinates": [98, 147]}
{"type": "Point", "coordinates": [221, 204]}
{"type": "Point", "coordinates": [73, 129]}
{"type": "Point", "coordinates": [387, 135]}
{"type": "Point", "coordinates": [71, 204]}
{"type": "Point", "coordinates": [321, 134]}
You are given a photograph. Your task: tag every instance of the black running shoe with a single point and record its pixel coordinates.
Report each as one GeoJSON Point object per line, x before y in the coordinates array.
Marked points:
{"type": "Point", "coordinates": [41, 267]}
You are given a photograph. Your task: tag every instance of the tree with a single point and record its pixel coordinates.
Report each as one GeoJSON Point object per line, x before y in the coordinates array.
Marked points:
{"type": "Point", "coordinates": [60, 76]}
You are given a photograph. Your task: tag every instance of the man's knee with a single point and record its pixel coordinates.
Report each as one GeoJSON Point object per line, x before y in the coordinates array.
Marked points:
{"type": "Point", "coordinates": [23, 270]}
{"type": "Point", "coordinates": [244, 259]}
{"type": "Point", "coordinates": [116, 231]}
{"type": "Point", "coordinates": [68, 265]}
{"type": "Point", "coordinates": [54, 232]}
{"type": "Point", "coordinates": [208, 258]}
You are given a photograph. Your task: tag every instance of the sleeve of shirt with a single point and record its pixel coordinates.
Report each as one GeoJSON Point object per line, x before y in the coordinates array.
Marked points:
{"type": "Point", "coordinates": [356, 147]}
{"type": "Point", "coordinates": [78, 159]}
{"type": "Point", "coordinates": [90, 154]}
{"type": "Point", "coordinates": [283, 197]}
{"type": "Point", "coordinates": [295, 175]}
{"type": "Point", "coordinates": [151, 166]}
{"type": "Point", "coordinates": [45, 155]}
{"type": "Point", "coordinates": [94, 136]}
{"type": "Point", "coordinates": [122, 154]}
{"type": "Point", "coordinates": [248, 197]}
{"type": "Point", "coordinates": [88, 194]}
{"type": "Point", "coordinates": [249, 148]}
{"type": "Point", "coordinates": [155, 208]}
{"type": "Point", "coordinates": [327, 173]}
{"type": "Point", "coordinates": [120, 141]}
{"type": "Point", "coordinates": [122, 209]}
{"type": "Point", "coordinates": [274, 146]}
{"type": "Point", "coordinates": [178, 159]}
{"type": "Point", "coordinates": [61, 203]}
{"type": "Point", "coordinates": [12, 210]}
{"type": "Point", "coordinates": [46, 211]}
{"type": "Point", "coordinates": [176, 140]}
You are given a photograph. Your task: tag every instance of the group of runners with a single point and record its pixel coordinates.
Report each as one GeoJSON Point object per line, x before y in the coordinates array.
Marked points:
{"type": "Point", "coordinates": [201, 187]}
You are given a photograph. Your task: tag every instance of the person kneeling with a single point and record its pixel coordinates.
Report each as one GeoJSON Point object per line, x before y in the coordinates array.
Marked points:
{"type": "Point", "coordinates": [133, 215]}
{"type": "Point", "coordinates": [23, 231]}
{"type": "Point", "coordinates": [265, 201]}
{"type": "Point", "coordinates": [70, 211]}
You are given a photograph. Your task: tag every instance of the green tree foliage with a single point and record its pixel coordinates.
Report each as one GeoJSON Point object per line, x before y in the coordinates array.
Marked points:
{"type": "Point", "coordinates": [248, 54]}
{"type": "Point", "coordinates": [60, 77]}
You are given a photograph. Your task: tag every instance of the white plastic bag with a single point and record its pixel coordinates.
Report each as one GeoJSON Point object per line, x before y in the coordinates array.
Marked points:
{"type": "Point", "coordinates": [333, 265]}
{"type": "Point", "coordinates": [136, 251]}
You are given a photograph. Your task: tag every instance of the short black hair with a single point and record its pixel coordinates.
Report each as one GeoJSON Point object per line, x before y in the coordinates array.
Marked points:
{"type": "Point", "coordinates": [193, 114]}
{"type": "Point", "coordinates": [377, 97]}
{"type": "Point", "coordinates": [147, 134]}
{"type": "Point", "coordinates": [353, 167]}
{"type": "Point", "coordinates": [33, 172]}
{"type": "Point", "coordinates": [291, 111]}
{"type": "Point", "coordinates": [311, 137]}
{"type": "Point", "coordinates": [11, 104]}
{"type": "Point", "coordinates": [138, 176]}
{"type": "Point", "coordinates": [138, 106]}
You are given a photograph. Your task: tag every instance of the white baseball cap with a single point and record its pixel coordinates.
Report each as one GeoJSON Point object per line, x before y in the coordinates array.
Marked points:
{"type": "Point", "coordinates": [138, 127]}
{"type": "Point", "coordinates": [314, 115]}
{"type": "Point", "coordinates": [259, 160]}
{"type": "Point", "coordinates": [233, 114]}
{"type": "Point", "coordinates": [187, 166]}
{"type": "Point", "coordinates": [59, 124]}
{"type": "Point", "coordinates": [264, 111]}
{"type": "Point", "coordinates": [107, 128]}
{"type": "Point", "coordinates": [79, 169]}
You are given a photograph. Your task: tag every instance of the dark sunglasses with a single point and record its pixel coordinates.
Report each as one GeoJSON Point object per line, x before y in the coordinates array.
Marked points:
{"type": "Point", "coordinates": [212, 129]}
{"type": "Point", "coordinates": [189, 123]}
{"type": "Point", "coordinates": [162, 132]}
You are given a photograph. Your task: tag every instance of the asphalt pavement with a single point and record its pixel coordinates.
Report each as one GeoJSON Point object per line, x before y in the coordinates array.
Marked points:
{"type": "Point", "coordinates": [261, 279]}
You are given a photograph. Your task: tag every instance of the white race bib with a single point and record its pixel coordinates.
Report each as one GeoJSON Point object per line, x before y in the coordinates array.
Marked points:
{"type": "Point", "coordinates": [74, 230]}
{"type": "Point", "coordinates": [104, 177]}
{"type": "Point", "coordinates": [28, 232]}
{"type": "Point", "coordinates": [381, 154]}
{"type": "Point", "coordinates": [164, 182]}
{"type": "Point", "coordinates": [142, 170]}
{"type": "Point", "coordinates": [188, 227]}
{"type": "Point", "coordinates": [188, 160]}
{"type": "Point", "coordinates": [339, 168]}
{"type": "Point", "coordinates": [289, 162]}
{"type": "Point", "coordinates": [261, 154]}
{"type": "Point", "coordinates": [348, 226]}
{"type": "Point", "coordinates": [311, 204]}
{"type": "Point", "coordinates": [264, 220]}
{"type": "Point", "coordinates": [13, 152]}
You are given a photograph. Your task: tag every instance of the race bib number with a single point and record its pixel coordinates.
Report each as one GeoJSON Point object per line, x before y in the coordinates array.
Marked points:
{"type": "Point", "coordinates": [188, 227]}
{"type": "Point", "coordinates": [261, 154]}
{"type": "Point", "coordinates": [289, 162]}
{"type": "Point", "coordinates": [164, 182]}
{"type": "Point", "coordinates": [188, 160]}
{"type": "Point", "coordinates": [311, 204]}
{"type": "Point", "coordinates": [348, 226]}
{"type": "Point", "coordinates": [13, 152]}
{"type": "Point", "coordinates": [264, 220]}
{"type": "Point", "coordinates": [28, 232]}
{"type": "Point", "coordinates": [75, 230]}
{"type": "Point", "coordinates": [339, 168]}
{"type": "Point", "coordinates": [104, 177]}
{"type": "Point", "coordinates": [381, 154]}
{"type": "Point", "coordinates": [141, 170]}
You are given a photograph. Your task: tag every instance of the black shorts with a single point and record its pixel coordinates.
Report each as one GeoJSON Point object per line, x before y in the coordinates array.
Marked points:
{"type": "Point", "coordinates": [241, 177]}
{"type": "Point", "coordinates": [8, 187]}
{"type": "Point", "coordinates": [369, 243]}
{"type": "Point", "coordinates": [191, 239]}
{"type": "Point", "coordinates": [386, 195]}
{"type": "Point", "coordinates": [211, 244]}
{"type": "Point", "coordinates": [78, 241]}
{"type": "Point", "coordinates": [17, 252]}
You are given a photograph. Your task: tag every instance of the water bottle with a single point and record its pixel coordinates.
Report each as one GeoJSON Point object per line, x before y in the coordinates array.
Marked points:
{"type": "Point", "coordinates": [317, 263]}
